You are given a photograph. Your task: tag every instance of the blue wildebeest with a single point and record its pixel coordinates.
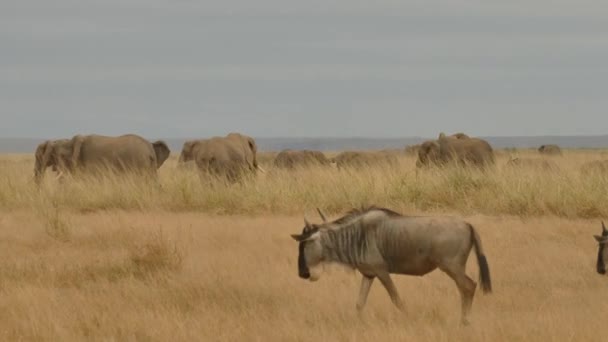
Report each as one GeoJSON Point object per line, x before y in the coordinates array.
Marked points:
{"type": "Point", "coordinates": [602, 254]}
{"type": "Point", "coordinates": [378, 241]}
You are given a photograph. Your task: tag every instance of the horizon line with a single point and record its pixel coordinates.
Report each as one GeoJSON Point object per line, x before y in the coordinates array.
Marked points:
{"type": "Point", "coordinates": [346, 137]}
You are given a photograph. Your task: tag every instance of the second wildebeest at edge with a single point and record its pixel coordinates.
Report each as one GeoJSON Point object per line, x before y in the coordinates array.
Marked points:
{"type": "Point", "coordinates": [378, 241]}
{"type": "Point", "coordinates": [602, 253]}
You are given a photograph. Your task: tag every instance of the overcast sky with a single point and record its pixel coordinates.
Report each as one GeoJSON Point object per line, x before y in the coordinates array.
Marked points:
{"type": "Point", "coordinates": [309, 68]}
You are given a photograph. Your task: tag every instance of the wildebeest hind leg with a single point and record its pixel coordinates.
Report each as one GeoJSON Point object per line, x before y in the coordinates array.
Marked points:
{"type": "Point", "coordinates": [466, 287]}
{"type": "Point", "coordinates": [386, 280]}
{"type": "Point", "coordinates": [366, 284]}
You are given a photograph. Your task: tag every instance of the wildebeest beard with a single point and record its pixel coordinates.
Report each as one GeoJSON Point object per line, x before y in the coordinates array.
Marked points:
{"type": "Point", "coordinates": [302, 267]}
{"type": "Point", "coordinates": [601, 267]}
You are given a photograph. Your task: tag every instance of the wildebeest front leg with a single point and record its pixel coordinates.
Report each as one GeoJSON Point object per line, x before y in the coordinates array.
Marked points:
{"type": "Point", "coordinates": [386, 280]}
{"type": "Point", "coordinates": [366, 284]}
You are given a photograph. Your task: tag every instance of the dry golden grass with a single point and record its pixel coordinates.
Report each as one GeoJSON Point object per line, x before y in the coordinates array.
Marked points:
{"type": "Point", "coordinates": [121, 259]}
{"type": "Point", "coordinates": [527, 192]}
{"type": "Point", "coordinates": [163, 276]}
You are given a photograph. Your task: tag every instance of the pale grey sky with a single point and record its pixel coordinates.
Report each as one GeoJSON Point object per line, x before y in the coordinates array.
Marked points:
{"type": "Point", "coordinates": [303, 68]}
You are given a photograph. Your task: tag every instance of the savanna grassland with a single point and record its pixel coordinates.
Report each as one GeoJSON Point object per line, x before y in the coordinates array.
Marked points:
{"type": "Point", "coordinates": [122, 259]}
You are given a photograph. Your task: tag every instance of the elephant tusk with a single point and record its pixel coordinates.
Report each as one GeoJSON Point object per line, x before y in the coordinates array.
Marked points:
{"type": "Point", "coordinates": [261, 169]}
{"type": "Point", "coordinates": [59, 175]}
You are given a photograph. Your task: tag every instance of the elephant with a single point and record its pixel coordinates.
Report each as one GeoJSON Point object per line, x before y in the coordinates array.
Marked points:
{"type": "Point", "coordinates": [230, 156]}
{"type": "Point", "coordinates": [553, 150]}
{"type": "Point", "coordinates": [428, 151]}
{"type": "Point", "coordinates": [364, 158]}
{"type": "Point", "coordinates": [597, 167]}
{"type": "Point", "coordinates": [463, 151]}
{"type": "Point", "coordinates": [93, 152]}
{"type": "Point", "coordinates": [52, 153]}
{"type": "Point", "coordinates": [290, 159]}
{"type": "Point", "coordinates": [532, 163]}
{"type": "Point", "coordinates": [186, 157]}
{"type": "Point", "coordinates": [187, 154]}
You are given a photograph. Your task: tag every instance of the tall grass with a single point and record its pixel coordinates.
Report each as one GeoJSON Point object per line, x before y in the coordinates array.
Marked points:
{"type": "Point", "coordinates": [523, 191]}
{"type": "Point", "coordinates": [127, 258]}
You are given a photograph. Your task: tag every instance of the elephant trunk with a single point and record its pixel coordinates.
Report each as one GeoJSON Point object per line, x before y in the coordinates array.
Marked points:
{"type": "Point", "coordinates": [38, 172]}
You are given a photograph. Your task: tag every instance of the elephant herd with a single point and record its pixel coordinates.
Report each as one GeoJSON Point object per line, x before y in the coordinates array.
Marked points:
{"type": "Point", "coordinates": [465, 150]}
{"type": "Point", "coordinates": [230, 156]}
{"type": "Point", "coordinates": [235, 155]}
{"type": "Point", "coordinates": [291, 159]}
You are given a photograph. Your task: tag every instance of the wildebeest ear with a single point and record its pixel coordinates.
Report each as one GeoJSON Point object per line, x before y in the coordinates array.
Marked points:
{"type": "Point", "coordinates": [297, 237]}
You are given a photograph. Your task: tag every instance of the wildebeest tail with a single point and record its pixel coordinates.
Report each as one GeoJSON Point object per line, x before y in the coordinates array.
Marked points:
{"type": "Point", "coordinates": [484, 268]}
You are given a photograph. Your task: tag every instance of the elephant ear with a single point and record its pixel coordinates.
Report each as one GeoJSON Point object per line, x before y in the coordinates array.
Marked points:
{"type": "Point", "coordinates": [428, 146]}
{"type": "Point", "coordinates": [186, 153]}
{"type": "Point", "coordinates": [43, 154]}
{"type": "Point", "coordinates": [162, 152]}
{"type": "Point", "coordinates": [77, 141]}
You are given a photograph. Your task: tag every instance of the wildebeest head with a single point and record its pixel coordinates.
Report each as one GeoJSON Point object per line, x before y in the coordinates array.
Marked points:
{"type": "Point", "coordinates": [310, 255]}
{"type": "Point", "coordinates": [602, 254]}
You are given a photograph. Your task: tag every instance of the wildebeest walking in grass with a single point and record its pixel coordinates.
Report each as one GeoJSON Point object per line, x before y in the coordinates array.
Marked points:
{"type": "Point", "coordinates": [602, 253]}
{"type": "Point", "coordinates": [378, 242]}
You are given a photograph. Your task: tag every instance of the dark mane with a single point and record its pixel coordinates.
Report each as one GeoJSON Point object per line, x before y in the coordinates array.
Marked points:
{"type": "Point", "coordinates": [363, 210]}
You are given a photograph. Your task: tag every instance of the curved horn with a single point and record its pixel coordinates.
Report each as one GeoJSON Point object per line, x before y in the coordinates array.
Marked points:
{"type": "Point", "coordinates": [321, 214]}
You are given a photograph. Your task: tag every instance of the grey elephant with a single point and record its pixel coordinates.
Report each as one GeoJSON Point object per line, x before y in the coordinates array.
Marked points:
{"type": "Point", "coordinates": [290, 159]}
{"type": "Point", "coordinates": [553, 150]}
{"type": "Point", "coordinates": [231, 156]}
{"type": "Point", "coordinates": [428, 151]}
{"type": "Point", "coordinates": [186, 156]}
{"type": "Point", "coordinates": [187, 153]}
{"type": "Point", "coordinates": [96, 152]}
{"type": "Point", "coordinates": [454, 149]}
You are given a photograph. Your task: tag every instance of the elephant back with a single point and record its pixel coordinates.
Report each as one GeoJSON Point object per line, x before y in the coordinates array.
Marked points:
{"type": "Point", "coordinates": [122, 153]}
